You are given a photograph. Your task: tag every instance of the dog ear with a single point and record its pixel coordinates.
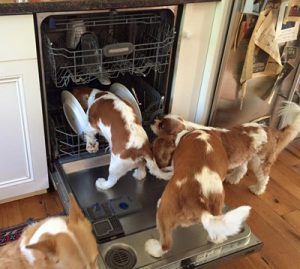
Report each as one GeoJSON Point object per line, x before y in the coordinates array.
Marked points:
{"type": "Point", "coordinates": [47, 247]}
{"type": "Point", "coordinates": [75, 213]}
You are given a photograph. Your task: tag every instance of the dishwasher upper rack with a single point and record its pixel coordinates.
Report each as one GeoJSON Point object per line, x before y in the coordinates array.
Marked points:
{"type": "Point", "coordinates": [149, 38]}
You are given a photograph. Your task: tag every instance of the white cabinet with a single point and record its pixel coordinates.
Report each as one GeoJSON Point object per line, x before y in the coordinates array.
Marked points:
{"type": "Point", "coordinates": [23, 166]}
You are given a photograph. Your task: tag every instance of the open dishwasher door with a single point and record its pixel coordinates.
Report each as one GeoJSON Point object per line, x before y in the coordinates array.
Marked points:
{"type": "Point", "coordinates": [123, 219]}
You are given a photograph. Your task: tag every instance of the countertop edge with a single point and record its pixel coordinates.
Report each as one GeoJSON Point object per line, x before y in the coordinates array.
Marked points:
{"type": "Point", "coordinates": [65, 6]}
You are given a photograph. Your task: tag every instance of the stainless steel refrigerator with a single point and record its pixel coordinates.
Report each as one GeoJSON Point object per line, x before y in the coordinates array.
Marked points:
{"type": "Point", "coordinates": [265, 91]}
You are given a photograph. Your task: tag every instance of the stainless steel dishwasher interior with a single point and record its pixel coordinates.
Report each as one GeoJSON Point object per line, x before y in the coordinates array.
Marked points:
{"type": "Point", "coordinates": [133, 201]}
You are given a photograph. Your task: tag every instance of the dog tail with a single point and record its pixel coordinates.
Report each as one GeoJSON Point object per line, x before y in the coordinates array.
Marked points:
{"type": "Point", "coordinates": [230, 223]}
{"type": "Point", "coordinates": [290, 113]}
{"type": "Point", "coordinates": [153, 167]}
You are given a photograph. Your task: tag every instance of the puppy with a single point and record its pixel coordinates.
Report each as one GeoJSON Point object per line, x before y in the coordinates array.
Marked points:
{"type": "Point", "coordinates": [56, 242]}
{"type": "Point", "coordinates": [195, 192]}
{"type": "Point", "coordinates": [116, 120]}
{"type": "Point", "coordinates": [249, 144]}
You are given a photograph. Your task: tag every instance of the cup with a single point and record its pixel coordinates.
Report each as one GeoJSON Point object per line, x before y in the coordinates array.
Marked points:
{"type": "Point", "coordinates": [76, 30]}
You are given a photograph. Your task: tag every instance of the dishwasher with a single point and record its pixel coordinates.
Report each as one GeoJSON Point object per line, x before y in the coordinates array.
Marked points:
{"type": "Point", "coordinates": [137, 48]}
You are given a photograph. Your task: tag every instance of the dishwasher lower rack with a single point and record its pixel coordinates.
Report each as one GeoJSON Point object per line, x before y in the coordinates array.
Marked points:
{"type": "Point", "coordinates": [66, 143]}
{"type": "Point", "coordinates": [128, 43]}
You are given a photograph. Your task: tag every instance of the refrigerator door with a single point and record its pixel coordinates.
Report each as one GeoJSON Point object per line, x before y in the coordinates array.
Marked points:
{"type": "Point", "coordinates": [263, 93]}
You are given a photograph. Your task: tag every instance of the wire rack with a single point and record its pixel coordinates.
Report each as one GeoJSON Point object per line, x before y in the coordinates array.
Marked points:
{"type": "Point", "coordinates": [66, 143]}
{"type": "Point", "coordinates": [139, 43]}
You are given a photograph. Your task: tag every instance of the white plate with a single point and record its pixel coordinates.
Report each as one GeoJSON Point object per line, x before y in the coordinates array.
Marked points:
{"type": "Point", "coordinates": [66, 95]}
{"type": "Point", "coordinates": [74, 113]}
{"type": "Point", "coordinates": [121, 91]}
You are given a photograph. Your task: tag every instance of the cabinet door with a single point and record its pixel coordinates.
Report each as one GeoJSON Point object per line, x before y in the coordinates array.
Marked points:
{"type": "Point", "coordinates": [23, 167]}
{"type": "Point", "coordinates": [17, 38]}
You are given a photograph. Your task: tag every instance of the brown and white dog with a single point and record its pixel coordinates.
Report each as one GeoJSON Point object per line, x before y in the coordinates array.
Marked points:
{"type": "Point", "coordinates": [163, 148]}
{"type": "Point", "coordinates": [116, 120]}
{"type": "Point", "coordinates": [249, 144]}
{"type": "Point", "coordinates": [56, 243]}
{"type": "Point", "coordinates": [83, 94]}
{"type": "Point", "coordinates": [195, 192]}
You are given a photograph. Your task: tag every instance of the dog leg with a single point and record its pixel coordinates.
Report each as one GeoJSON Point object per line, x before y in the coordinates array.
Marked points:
{"type": "Point", "coordinates": [92, 144]}
{"type": "Point", "coordinates": [157, 248]}
{"type": "Point", "coordinates": [153, 248]}
{"type": "Point", "coordinates": [260, 187]}
{"type": "Point", "coordinates": [140, 172]}
{"type": "Point", "coordinates": [117, 168]}
{"type": "Point", "coordinates": [262, 176]}
{"type": "Point", "coordinates": [237, 174]}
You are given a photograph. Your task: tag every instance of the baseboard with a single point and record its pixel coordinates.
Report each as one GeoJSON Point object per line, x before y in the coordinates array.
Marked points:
{"type": "Point", "coordinates": [22, 196]}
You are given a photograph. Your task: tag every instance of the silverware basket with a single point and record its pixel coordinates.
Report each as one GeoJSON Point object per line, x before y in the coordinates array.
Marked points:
{"type": "Point", "coordinates": [130, 43]}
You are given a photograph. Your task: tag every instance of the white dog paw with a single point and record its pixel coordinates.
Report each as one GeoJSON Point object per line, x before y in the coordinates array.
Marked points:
{"type": "Point", "coordinates": [257, 190]}
{"type": "Point", "coordinates": [217, 240]}
{"type": "Point", "coordinates": [102, 184]}
{"type": "Point", "coordinates": [153, 248]}
{"type": "Point", "coordinates": [232, 180]}
{"type": "Point", "coordinates": [139, 174]}
{"type": "Point", "coordinates": [92, 147]}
